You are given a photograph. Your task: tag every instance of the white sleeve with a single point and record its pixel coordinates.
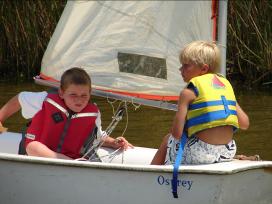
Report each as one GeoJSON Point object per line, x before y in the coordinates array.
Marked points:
{"type": "Point", "coordinates": [31, 102]}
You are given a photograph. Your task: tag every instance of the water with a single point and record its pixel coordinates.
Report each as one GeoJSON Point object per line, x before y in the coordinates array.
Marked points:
{"type": "Point", "coordinates": [146, 126]}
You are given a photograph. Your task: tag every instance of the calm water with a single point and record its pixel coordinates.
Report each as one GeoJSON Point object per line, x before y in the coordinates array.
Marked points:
{"type": "Point", "coordinates": [146, 126]}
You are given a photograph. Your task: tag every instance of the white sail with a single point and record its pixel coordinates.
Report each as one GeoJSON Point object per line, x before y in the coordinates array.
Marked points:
{"type": "Point", "coordinates": [128, 47]}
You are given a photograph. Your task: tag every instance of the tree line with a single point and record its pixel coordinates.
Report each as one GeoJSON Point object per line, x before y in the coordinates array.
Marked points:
{"type": "Point", "coordinates": [26, 28]}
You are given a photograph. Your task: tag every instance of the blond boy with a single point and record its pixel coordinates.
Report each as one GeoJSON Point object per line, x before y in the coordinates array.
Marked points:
{"type": "Point", "coordinates": [207, 111]}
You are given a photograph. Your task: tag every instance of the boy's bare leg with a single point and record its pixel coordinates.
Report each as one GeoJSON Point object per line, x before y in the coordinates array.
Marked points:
{"type": "Point", "coordinates": [159, 157]}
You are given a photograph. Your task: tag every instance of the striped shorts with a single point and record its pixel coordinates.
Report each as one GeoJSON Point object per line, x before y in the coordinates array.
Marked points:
{"type": "Point", "coordinates": [199, 152]}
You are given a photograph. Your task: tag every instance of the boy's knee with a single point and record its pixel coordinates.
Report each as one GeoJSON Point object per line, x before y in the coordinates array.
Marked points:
{"type": "Point", "coordinates": [166, 138]}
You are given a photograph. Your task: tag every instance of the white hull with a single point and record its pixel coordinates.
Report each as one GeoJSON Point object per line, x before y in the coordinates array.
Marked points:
{"type": "Point", "coordinates": [36, 180]}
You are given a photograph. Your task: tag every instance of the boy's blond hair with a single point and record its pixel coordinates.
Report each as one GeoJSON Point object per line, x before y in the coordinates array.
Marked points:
{"type": "Point", "coordinates": [75, 76]}
{"type": "Point", "coordinates": [200, 53]}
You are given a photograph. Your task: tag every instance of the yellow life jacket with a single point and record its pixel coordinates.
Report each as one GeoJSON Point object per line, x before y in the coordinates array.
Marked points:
{"type": "Point", "coordinates": [215, 104]}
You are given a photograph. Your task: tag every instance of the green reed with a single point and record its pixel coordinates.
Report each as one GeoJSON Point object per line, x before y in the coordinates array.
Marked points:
{"type": "Point", "coordinates": [249, 41]}
{"type": "Point", "coordinates": [26, 27]}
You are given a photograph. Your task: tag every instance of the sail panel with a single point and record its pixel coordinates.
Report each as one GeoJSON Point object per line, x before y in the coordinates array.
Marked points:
{"type": "Point", "coordinates": [147, 35]}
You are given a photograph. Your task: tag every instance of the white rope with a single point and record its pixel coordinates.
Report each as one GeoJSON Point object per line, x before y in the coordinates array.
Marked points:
{"type": "Point", "coordinates": [126, 120]}
{"type": "Point", "coordinates": [107, 132]}
{"type": "Point", "coordinates": [111, 103]}
{"type": "Point", "coordinates": [123, 156]}
{"type": "Point", "coordinates": [135, 106]}
{"type": "Point", "coordinates": [112, 155]}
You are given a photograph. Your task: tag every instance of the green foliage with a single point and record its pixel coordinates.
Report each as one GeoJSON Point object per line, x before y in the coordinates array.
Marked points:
{"type": "Point", "coordinates": [249, 41]}
{"type": "Point", "coordinates": [26, 27]}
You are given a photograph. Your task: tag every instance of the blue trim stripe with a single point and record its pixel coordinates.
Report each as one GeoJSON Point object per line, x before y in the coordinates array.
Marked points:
{"type": "Point", "coordinates": [211, 103]}
{"type": "Point", "coordinates": [208, 117]}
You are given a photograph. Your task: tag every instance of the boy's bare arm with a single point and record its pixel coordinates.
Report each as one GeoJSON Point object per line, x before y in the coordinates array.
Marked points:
{"type": "Point", "coordinates": [185, 98]}
{"type": "Point", "coordinates": [11, 107]}
{"type": "Point", "coordinates": [36, 148]}
{"type": "Point", "coordinates": [243, 119]}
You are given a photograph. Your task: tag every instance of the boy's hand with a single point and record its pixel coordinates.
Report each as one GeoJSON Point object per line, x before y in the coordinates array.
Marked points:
{"type": "Point", "coordinates": [122, 142]}
{"type": "Point", "coordinates": [2, 129]}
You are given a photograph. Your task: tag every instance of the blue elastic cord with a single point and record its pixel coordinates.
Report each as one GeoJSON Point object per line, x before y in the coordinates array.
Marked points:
{"type": "Point", "coordinates": [182, 143]}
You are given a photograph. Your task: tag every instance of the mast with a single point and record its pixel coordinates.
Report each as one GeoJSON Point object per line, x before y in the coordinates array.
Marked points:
{"type": "Point", "coordinates": [222, 33]}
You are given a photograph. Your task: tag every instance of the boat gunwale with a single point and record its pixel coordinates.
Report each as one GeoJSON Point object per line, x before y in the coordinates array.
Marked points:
{"type": "Point", "coordinates": [192, 169]}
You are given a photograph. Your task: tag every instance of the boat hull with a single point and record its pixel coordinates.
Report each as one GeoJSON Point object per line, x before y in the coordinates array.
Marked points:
{"type": "Point", "coordinates": [127, 177]}
{"type": "Point", "coordinates": [37, 180]}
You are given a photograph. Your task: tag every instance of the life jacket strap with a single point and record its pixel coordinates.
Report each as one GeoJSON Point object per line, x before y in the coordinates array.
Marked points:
{"type": "Point", "coordinates": [174, 182]}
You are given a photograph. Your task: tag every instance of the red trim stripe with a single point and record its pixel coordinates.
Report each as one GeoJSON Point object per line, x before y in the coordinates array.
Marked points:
{"type": "Point", "coordinates": [47, 78]}
{"type": "Point", "coordinates": [214, 18]}
{"type": "Point", "coordinates": [144, 96]}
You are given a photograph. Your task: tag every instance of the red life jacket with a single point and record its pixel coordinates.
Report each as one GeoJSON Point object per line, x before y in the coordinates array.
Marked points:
{"type": "Point", "coordinates": [60, 131]}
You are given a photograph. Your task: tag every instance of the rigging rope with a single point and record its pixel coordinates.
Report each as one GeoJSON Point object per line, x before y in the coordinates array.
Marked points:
{"type": "Point", "coordinates": [117, 117]}
{"type": "Point", "coordinates": [111, 103]}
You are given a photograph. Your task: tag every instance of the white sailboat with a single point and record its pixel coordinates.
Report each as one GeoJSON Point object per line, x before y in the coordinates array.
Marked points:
{"type": "Point", "coordinates": [130, 49]}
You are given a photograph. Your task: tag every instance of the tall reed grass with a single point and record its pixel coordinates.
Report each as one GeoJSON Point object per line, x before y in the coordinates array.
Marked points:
{"type": "Point", "coordinates": [249, 44]}
{"type": "Point", "coordinates": [26, 27]}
